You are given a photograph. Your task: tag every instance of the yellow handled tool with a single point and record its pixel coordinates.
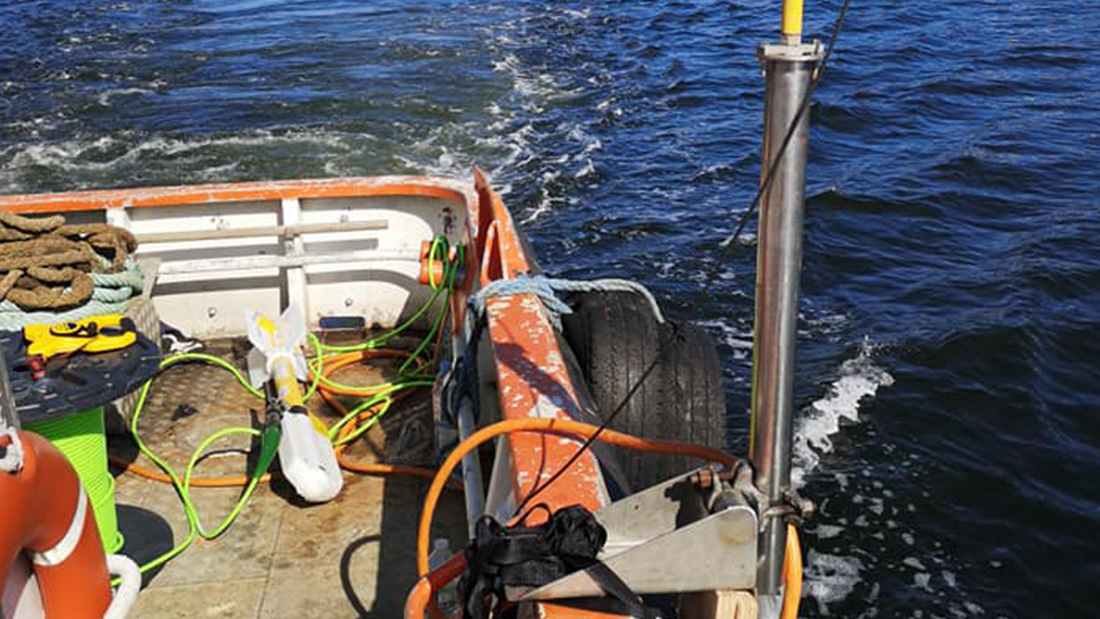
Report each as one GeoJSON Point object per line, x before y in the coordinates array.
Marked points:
{"type": "Point", "coordinates": [96, 334]}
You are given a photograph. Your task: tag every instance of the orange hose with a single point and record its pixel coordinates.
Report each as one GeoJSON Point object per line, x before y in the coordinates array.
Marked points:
{"type": "Point", "coordinates": [328, 392]}
{"type": "Point", "coordinates": [234, 482]}
{"type": "Point", "coordinates": [792, 575]}
{"type": "Point", "coordinates": [346, 359]}
{"type": "Point", "coordinates": [329, 396]}
{"type": "Point", "coordinates": [416, 604]}
{"type": "Point", "coordinates": [560, 426]}
{"type": "Point", "coordinates": [421, 597]}
{"type": "Point", "coordinates": [198, 482]}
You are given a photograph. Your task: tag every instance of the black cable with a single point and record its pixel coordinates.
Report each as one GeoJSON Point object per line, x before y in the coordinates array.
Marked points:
{"type": "Point", "coordinates": [709, 281]}
{"type": "Point", "coordinates": [805, 105]}
{"type": "Point", "coordinates": [607, 422]}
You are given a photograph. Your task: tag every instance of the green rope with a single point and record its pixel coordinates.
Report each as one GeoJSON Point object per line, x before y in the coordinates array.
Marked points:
{"type": "Point", "coordinates": [81, 438]}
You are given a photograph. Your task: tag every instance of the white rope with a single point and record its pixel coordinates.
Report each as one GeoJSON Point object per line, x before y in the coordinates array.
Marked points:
{"type": "Point", "coordinates": [129, 584]}
{"type": "Point", "coordinates": [11, 454]}
{"type": "Point", "coordinates": [111, 296]}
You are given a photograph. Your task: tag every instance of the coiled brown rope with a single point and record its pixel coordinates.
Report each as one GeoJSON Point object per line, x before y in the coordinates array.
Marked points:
{"type": "Point", "coordinates": [45, 264]}
{"type": "Point", "coordinates": [31, 224]}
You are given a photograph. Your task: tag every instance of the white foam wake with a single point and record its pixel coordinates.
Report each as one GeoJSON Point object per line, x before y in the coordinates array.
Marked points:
{"type": "Point", "coordinates": [859, 378]}
{"type": "Point", "coordinates": [830, 578]}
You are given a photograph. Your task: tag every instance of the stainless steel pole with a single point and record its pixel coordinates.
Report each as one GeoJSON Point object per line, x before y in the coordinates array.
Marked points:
{"type": "Point", "coordinates": [471, 468]}
{"type": "Point", "coordinates": [788, 69]}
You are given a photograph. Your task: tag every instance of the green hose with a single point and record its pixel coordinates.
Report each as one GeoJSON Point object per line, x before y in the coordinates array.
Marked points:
{"type": "Point", "coordinates": [269, 443]}
{"type": "Point", "coordinates": [81, 438]}
{"type": "Point", "coordinates": [270, 436]}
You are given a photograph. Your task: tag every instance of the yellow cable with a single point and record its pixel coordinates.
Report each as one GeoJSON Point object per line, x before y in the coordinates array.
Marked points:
{"type": "Point", "coordinates": [792, 575]}
{"type": "Point", "coordinates": [792, 18]}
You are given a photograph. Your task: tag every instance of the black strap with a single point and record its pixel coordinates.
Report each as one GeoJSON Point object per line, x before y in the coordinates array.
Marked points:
{"type": "Point", "coordinates": [523, 556]}
{"type": "Point", "coordinates": [614, 586]}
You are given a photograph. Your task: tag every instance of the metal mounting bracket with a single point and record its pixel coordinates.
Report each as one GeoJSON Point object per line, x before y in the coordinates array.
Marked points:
{"type": "Point", "coordinates": [663, 540]}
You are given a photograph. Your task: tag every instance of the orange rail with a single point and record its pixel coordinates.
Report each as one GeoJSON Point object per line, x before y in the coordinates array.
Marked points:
{"type": "Point", "coordinates": [234, 192]}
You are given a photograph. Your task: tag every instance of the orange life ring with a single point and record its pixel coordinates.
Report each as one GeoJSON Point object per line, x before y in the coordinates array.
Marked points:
{"type": "Point", "coordinates": [47, 515]}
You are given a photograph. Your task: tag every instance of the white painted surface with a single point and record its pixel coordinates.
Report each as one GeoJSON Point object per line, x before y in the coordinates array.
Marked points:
{"type": "Point", "coordinates": [204, 286]}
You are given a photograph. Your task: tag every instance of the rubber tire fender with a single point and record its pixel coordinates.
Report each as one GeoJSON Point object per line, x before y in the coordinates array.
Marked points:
{"type": "Point", "coordinates": [615, 336]}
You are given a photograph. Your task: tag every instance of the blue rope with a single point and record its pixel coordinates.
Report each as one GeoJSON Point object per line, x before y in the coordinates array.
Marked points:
{"type": "Point", "coordinates": [547, 289]}
{"type": "Point", "coordinates": [111, 295]}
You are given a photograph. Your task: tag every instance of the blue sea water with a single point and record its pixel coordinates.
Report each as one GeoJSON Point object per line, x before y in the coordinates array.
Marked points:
{"type": "Point", "coordinates": [950, 334]}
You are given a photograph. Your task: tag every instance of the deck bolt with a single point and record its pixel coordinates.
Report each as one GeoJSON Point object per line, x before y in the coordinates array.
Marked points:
{"type": "Point", "coordinates": [348, 302]}
{"type": "Point", "coordinates": [211, 312]}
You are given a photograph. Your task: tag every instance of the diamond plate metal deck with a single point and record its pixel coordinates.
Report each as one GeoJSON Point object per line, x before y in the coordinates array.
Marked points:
{"type": "Point", "coordinates": [353, 557]}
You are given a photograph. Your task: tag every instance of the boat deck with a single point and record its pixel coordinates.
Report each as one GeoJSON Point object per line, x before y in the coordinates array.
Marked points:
{"type": "Point", "coordinates": [352, 557]}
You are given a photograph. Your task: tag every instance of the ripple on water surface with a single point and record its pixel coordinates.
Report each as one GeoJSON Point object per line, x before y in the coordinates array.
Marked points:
{"type": "Point", "coordinates": [947, 342]}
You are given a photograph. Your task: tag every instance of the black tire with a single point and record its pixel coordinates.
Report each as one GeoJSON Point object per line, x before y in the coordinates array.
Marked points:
{"type": "Point", "coordinates": [615, 337]}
